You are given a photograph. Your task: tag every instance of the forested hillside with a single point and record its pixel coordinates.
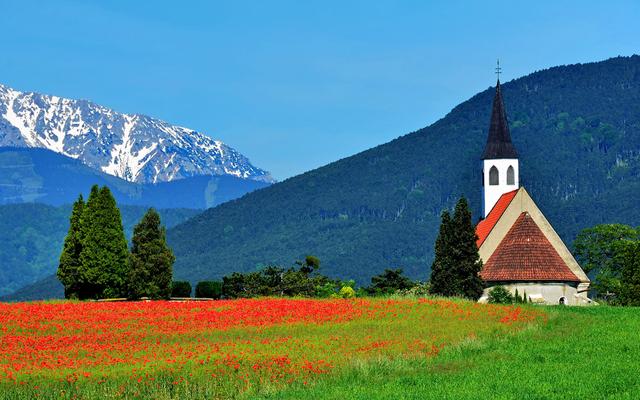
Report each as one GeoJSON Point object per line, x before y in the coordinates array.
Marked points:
{"type": "Point", "coordinates": [31, 237]}
{"type": "Point", "coordinates": [577, 130]}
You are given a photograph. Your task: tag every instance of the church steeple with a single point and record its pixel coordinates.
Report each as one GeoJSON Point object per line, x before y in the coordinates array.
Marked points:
{"type": "Point", "coordinates": [499, 141]}
{"type": "Point", "coordinates": [500, 169]}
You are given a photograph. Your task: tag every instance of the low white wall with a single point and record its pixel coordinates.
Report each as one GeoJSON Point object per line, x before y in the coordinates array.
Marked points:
{"type": "Point", "coordinates": [551, 293]}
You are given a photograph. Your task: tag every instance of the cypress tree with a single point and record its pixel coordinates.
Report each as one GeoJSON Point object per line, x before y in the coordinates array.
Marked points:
{"type": "Point", "coordinates": [87, 275]}
{"type": "Point", "coordinates": [151, 264]}
{"type": "Point", "coordinates": [456, 266]}
{"type": "Point", "coordinates": [105, 254]}
{"type": "Point", "coordinates": [69, 266]}
{"type": "Point", "coordinates": [442, 280]}
{"type": "Point", "coordinates": [465, 251]}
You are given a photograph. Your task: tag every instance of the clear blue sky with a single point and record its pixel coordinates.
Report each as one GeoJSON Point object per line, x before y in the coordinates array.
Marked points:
{"type": "Point", "coordinates": [295, 85]}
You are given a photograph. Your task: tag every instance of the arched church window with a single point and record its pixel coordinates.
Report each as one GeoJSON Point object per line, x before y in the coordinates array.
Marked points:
{"type": "Point", "coordinates": [511, 178]}
{"type": "Point", "coordinates": [493, 176]}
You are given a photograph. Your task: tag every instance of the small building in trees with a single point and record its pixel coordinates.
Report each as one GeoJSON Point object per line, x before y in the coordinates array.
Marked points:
{"type": "Point", "coordinates": [519, 248]}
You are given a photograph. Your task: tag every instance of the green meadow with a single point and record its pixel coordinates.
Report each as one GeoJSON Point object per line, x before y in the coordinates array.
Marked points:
{"type": "Point", "coordinates": [377, 349]}
{"type": "Point", "coordinates": [580, 353]}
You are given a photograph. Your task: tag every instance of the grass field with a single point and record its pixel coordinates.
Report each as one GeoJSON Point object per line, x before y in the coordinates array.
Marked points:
{"type": "Point", "coordinates": [580, 353]}
{"type": "Point", "coordinates": [339, 349]}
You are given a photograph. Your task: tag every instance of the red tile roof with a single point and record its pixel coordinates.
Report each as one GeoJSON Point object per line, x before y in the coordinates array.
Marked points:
{"type": "Point", "coordinates": [525, 254]}
{"type": "Point", "coordinates": [486, 225]}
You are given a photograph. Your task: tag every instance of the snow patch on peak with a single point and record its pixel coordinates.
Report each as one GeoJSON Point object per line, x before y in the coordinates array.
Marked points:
{"type": "Point", "coordinates": [134, 147]}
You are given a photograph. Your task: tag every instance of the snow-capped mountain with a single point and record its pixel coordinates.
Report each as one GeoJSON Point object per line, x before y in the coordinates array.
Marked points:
{"type": "Point", "coordinates": [134, 147]}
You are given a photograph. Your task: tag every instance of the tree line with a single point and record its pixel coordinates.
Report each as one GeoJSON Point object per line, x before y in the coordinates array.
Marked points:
{"type": "Point", "coordinates": [455, 271]}
{"type": "Point", "coordinates": [96, 261]}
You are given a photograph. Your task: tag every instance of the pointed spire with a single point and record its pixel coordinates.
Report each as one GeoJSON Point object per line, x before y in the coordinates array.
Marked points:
{"type": "Point", "coordinates": [499, 141]}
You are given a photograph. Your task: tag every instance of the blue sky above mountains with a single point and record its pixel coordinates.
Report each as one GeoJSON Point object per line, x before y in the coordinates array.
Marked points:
{"type": "Point", "coordinates": [294, 85]}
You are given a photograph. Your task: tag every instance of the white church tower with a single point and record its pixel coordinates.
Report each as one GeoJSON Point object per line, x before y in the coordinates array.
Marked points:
{"type": "Point", "coordinates": [500, 172]}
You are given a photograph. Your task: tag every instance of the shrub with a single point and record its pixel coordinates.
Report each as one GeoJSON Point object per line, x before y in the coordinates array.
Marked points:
{"type": "Point", "coordinates": [500, 295]}
{"type": "Point", "coordinates": [209, 289]}
{"type": "Point", "coordinates": [389, 282]}
{"type": "Point", "coordinates": [347, 292]}
{"type": "Point", "coordinates": [280, 281]}
{"type": "Point", "coordinates": [419, 290]}
{"type": "Point", "coordinates": [326, 290]}
{"type": "Point", "coordinates": [180, 289]}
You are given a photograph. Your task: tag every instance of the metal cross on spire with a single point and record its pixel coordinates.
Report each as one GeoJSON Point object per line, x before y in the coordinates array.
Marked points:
{"type": "Point", "coordinates": [498, 69]}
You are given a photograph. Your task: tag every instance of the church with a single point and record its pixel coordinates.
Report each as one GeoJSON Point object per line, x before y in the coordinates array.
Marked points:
{"type": "Point", "coordinates": [518, 246]}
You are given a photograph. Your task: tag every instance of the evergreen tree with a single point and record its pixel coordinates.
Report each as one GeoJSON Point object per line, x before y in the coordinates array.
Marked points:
{"type": "Point", "coordinates": [467, 259]}
{"type": "Point", "coordinates": [517, 298]}
{"type": "Point", "coordinates": [456, 266]}
{"type": "Point", "coordinates": [442, 280]}
{"type": "Point", "coordinates": [105, 254]}
{"type": "Point", "coordinates": [69, 266]}
{"type": "Point", "coordinates": [150, 273]}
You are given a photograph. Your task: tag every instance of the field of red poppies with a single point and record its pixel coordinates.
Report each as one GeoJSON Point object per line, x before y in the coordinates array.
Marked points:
{"type": "Point", "coordinates": [223, 349]}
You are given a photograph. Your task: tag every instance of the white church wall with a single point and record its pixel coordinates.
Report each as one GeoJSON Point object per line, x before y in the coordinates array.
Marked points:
{"type": "Point", "coordinates": [547, 293]}
{"type": "Point", "coordinates": [492, 193]}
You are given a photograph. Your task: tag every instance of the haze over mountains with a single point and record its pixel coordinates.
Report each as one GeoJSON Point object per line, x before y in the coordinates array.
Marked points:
{"type": "Point", "coordinates": [39, 175]}
{"type": "Point", "coordinates": [134, 147]}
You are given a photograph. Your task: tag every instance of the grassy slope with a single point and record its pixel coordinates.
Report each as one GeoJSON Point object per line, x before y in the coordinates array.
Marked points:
{"type": "Point", "coordinates": [581, 353]}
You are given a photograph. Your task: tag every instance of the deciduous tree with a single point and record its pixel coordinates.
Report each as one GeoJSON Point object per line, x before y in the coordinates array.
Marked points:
{"type": "Point", "coordinates": [600, 250]}
{"type": "Point", "coordinates": [630, 287]}
{"type": "Point", "coordinates": [389, 281]}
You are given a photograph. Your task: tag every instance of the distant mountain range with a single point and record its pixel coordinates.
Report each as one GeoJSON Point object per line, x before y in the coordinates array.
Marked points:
{"type": "Point", "coordinates": [134, 147]}
{"type": "Point", "coordinates": [576, 128]}
{"type": "Point", "coordinates": [39, 175]}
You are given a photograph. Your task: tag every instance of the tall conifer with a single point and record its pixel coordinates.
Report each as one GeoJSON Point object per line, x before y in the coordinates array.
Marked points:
{"type": "Point", "coordinates": [467, 259]}
{"type": "Point", "coordinates": [69, 266]}
{"type": "Point", "coordinates": [456, 266]}
{"type": "Point", "coordinates": [442, 279]}
{"type": "Point", "coordinates": [105, 254]}
{"type": "Point", "coordinates": [151, 265]}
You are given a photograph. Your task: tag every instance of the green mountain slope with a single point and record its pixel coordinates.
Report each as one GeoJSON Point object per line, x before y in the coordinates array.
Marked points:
{"type": "Point", "coordinates": [577, 129]}
{"type": "Point", "coordinates": [31, 237]}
